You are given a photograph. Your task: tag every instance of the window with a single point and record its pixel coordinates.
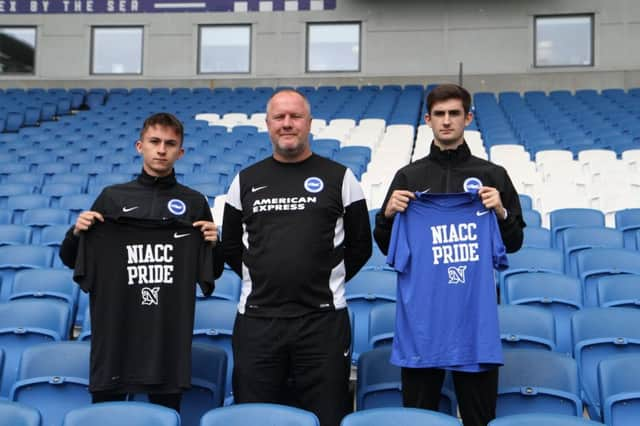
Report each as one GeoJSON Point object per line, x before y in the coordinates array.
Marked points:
{"type": "Point", "coordinates": [116, 50]}
{"type": "Point", "coordinates": [563, 41]}
{"type": "Point", "coordinates": [17, 50]}
{"type": "Point", "coordinates": [333, 47]}
{"type": "Point", "coordinates": [224, 49]}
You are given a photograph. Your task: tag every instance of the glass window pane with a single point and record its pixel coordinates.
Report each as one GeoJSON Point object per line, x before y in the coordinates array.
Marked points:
{"type": "Point", "coordinates": [333, 47]}
{"type": "Point", "coordinates": [117, 50]}
{"type": "Point", "coordinates": [225, 49]}
{"type": "Point", "coordinates": [17, 50]}
{"type": "Point", "coordinates": [564, 41]}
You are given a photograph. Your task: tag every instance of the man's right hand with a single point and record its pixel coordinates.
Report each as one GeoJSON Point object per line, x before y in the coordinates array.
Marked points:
{"type": "Point", "coordinates": [86, 220]}
{"type": "Point", "coordinates": [398, 202]}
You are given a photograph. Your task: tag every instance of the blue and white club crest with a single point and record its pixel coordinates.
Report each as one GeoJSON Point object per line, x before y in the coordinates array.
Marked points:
{"type": "Point", "coordinates": [472, 184]}
{"type": "Point", "coordinates": [176, 206]}
{"type": "Point", "coordinates": [314, 184]}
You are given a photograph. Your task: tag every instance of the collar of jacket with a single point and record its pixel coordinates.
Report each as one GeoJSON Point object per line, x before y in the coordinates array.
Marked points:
{"type": "Point", "coordinates": [163, 182]}
{"type": "Point", "coordinates": [450, 156]}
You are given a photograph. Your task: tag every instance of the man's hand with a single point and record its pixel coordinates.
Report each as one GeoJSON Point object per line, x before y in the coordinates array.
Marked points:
{"type": "Point", "coordinates": [209, 230]}
{"type": "Point", "coordinates": [398, 202]}
{"type": "Point", "coordinates": [86, 220]}
{"type": "Point", "coordinates": [491, 200]}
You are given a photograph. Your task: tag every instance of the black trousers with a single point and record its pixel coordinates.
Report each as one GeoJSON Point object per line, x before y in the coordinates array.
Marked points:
{"type": "Point", "coordinates": [171, 400]}
{"type": "Point", "coordinates": [307, 358]}
{"type": "Point", "coordinates": [477, 393]}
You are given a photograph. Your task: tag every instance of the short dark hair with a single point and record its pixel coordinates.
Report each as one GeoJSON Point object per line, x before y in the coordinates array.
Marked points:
{"type": "Point", "coordinates": [166, 120]}
{"type": "Point", "coordinates": [445, 92]}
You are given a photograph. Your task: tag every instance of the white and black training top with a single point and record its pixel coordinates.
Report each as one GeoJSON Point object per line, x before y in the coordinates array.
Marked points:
{"type": "Point", "coordinates": [295, 233]}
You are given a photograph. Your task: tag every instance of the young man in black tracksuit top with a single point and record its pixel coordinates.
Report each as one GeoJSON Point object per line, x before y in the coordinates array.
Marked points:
{"type": "Point", "coordinates": [154, 194]}
{"type": "Point", "coordinates": [296, 228]}
{"type": "Point", "coordinates": [450, 168]}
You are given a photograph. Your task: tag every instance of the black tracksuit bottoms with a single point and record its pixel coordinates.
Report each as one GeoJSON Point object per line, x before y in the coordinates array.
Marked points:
{"type": "Point", "coordinates": [303, 361]}
{"type": "Point", "coordinates": [477, 393]}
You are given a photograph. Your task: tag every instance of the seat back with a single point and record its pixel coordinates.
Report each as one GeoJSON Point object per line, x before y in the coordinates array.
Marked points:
{"type": "Point", "coordinates": [600, 333]}
{"type": "Point", "coordinates": [213, 325]}
{"type": "Point", "coordinates": [258, 413]}
{"type": "Point", "coordinates": [575, 240]}
{"type": "Point", "coordinates": [24, 323]}
{"type": "Point", "coordinates": [526, 327]}
{"type": "Point", "coordinates": [400, 416]}
{"type": "Point", "coordinates": [14, 414]}
{"type": "Point", "coordinates": [532, 381]}
{"type": "Point", "coordinates": [542, 419]}
{"type": "Point", "coordinates": [122, 413]}
{"type": "Point", "coordinates": [619, 385]}
{"type": "Point", "coordinates": [19, 257]}
{"type": "Point", "coordinates": [368, 288]}
{"type": "Point", "coordinates": [598, 262]}
{"type": "Point", "coordinates": [379, 384]}
{"type": "Point", "coordinates": [562, 219]}
{"type": "Point", "coordinates": [619, 290]}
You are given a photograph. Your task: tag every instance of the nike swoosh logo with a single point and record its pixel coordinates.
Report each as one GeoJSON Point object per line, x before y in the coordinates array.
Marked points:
{"type": "Point", "coordinates": [346, 353]}
{"type": "Point", "coordinates": [481, 213]}
{"type": "Point", "coordinates": [176, 235]}
{"type": "Point", "coordinates": [256, 189]}
{"type": "Point", "coordinates": [129, 209]}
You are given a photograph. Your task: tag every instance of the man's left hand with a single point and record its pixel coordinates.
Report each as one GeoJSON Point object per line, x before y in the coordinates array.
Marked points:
{"type": "Point", "coordinates": [491, 200]}
{"type": "Point", "coordinates": [209, 230]}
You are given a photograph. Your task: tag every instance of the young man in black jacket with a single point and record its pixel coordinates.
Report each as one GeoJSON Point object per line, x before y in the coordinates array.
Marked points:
{"type": "Point", "coordinates": [154, 194]}
{"type": "Point", "coordinates": [450, 168]}
{"type": "Point", "coordinates": [296, 228]}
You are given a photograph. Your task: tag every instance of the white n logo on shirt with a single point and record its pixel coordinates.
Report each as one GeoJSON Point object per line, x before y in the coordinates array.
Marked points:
{"type": "Point", "coordinates": [456, 274]}
{"type": "Point", "coordinates": [150, 295]}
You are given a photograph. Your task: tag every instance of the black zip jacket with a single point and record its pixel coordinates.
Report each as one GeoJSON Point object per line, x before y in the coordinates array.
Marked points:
{"type": "Point", "coordinates": [147, 197]}
{"type": "Point", "coordinates": [444, 171]}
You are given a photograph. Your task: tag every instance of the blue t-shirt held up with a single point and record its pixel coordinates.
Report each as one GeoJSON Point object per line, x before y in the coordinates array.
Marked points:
{"type": "Point", "coordinates": [445, 247]}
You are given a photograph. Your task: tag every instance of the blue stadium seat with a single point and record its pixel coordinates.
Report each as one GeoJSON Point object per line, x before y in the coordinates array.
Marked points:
{"type": "Point", "coordinates": [595, 263]}
{"type": "Point", "coordinates": [526, 327]}
{"type": "Point", "coordinates": [14, 235]}
{"type": "Point", "coordinates": [18, 257]}
{"type": "Point", "coordinates": [536, 237]}
{"type": "Point", "coordinates": [128, 413]}
{"type": "Point", "coordinates": [258, 413]}
{"type": "Point", "coordinates": [400, 416]}
{"type": "Point", "coordinates": [598, 334]}
{"type": "Point", "coordinates": [47, 283]}
{"type": "Point", "coordinates": [532, 381]}
{"type": "Point", "coordinates": [213, 325]}
{"type": "Point", "coordinates": [55, 378]}
{"type": "Point", "coordinates": [368, 288]}
{"type": "Point", "coordinates": [379, 385]}
{"type": "Point", "coordinates": [619, 386]}
{"type": "Point", "coordinates": [24, 323]}
{"type": "Point", "coordinates": [76, 203]}
{"type": "Point", "coordinates": [14, 121]}
{"type": "Point", "coordinates": [557, 293]}
{"type": "Point", "coordinates": [526, 203]}
{"type": "Point", "coordinates": [39, 218]}
{"type": "Point", "coordinates": [619, 291]}
{"type": "Point", "coordinates": [15, 414]}
{"type": "Point", "coordinates": [8, 189]}
{"type": "Point", "coordinates": [562, 219]}
{"type": "Point", "coordinates": [382, 322]}
{"type": "Point", "coordinates": [209, 190]}
{"type": "Point", "coordinates": [532, 218]}
{"type": "Point", "coordinates": [529, 259]}
{"type": "Point", "coordinates": [628, 221]}
{"type": "Point", "coordinates": [576, 240]}
{"type": "Point", "coordinates": [208, 376]}
{"type": "Point", "coordinates": [19, 203]}
{"type": "Point", "coordinates": [542, 419]}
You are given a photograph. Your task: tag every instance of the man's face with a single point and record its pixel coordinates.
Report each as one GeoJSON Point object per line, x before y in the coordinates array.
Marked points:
{"type": "Point", "coordinates": [289, 124]}
{"type": "Point", "coordinates": [448, 120]}
{"type": "Point", "coordinates": [160, 148]}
